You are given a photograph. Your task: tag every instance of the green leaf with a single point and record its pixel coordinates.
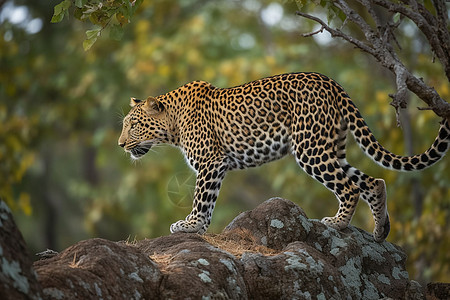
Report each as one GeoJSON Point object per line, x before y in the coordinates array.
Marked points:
{"type": "Point", "coordinates": [66, 4]}
{"type": "Point", "coordinates": [91, 38]}
{"type": "Point", "coordinates": [93, 33]}
{"type": "Point", "coordinates": [132, 7]}
{"type": "Point", "coordinates": [80, 3]}
{"type": "Point", "coordinates": [301, 3]}
{"type": "Point", "coordinates": [342, 16]}
{"type": "Point", "coordinates": [116, 32]}
{"type": "Point", "coordinates": [87, 43]}
{"type": "Point", "coordinates": [57, 18]}
{"type": "Point", "coordinates": [60, 10]}
{"type": "Point", "coordinates": [124, 11]}
{"type": "Point", "coordinates": [78, 13]}
{"type": "Point", "coordinates": [95, 17]}
{"type": "Point", "coordinates": [332, 13]}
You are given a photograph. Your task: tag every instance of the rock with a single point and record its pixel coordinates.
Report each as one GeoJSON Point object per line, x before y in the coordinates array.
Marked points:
{"type": "Point", "coordinates": [99, 269]}
{"type": "Point", "coordinates": [271, 252]}
{"type": "Point", "coordinates": [315, 260]}
{"type": "Point", "coordinates": [193, 268]}
{"type": "Point", "coordinates": [438, 290]}
{"type": "Point", "coordinates": [275, 223]}
{"type": "Point", "coordinates": [17, 277]}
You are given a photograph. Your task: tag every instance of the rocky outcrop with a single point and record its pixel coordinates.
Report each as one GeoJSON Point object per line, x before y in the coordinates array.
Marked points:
{"type": "Point", "coordinates": [17, 277]}
{"type": "Point", "coordinates": [271, 252]}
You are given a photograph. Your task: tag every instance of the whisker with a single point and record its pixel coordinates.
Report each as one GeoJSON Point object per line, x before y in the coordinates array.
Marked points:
{"type": "Point", "coordinates": [135, 161]}
{"type": "Point", "coordinates": [149, 148]}
{"type": "Point", "coordinates": [120, 115]}
{"type": "Point", "coordinates": [155, 148]}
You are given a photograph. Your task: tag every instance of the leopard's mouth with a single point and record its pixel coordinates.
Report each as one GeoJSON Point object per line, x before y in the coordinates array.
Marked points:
{"type": "Point", "coordinates": [139, 151]}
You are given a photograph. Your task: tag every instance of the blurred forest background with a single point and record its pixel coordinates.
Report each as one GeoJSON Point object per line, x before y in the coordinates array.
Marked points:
{"type": "Point", "coordinates": [61, 107]}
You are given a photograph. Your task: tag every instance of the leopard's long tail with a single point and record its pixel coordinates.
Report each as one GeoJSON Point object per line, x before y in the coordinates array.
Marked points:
{"type": "Point", "coordinates": [383, 157]}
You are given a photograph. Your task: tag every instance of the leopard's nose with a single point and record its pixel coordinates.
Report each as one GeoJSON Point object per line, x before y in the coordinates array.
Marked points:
{"type": "Point", "coordinates": [121, 144]}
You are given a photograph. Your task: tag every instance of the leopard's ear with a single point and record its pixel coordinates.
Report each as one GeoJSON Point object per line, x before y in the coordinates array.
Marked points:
{"type": "Point", "coordinates": [134, 101]}
{"type": "Point", "coordinates": [152, 106]}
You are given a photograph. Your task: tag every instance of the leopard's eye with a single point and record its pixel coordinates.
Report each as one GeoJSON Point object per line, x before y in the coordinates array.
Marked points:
{"type": "Point", "coordinates": [133, 124]}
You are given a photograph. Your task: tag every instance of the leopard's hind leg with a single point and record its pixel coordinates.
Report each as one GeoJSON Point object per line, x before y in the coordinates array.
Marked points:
{"type": "Point", "coordinates": [372, 190]}
{"type": "Point", "coordinates": [319, 160]}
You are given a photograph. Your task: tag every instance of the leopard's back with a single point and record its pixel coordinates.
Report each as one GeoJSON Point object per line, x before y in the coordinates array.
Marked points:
{"type": "Point", "coordinates": [255, 122]}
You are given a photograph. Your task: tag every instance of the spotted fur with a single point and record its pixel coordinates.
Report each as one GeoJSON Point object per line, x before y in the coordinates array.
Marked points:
{"type": "Point", "coordinates": [306, 114]}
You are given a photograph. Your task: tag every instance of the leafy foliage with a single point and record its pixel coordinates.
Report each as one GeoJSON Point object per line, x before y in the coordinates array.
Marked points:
{"type": "Point", "coordinates": [66, 179]}
{"type": "Point", "coordinates": [111, 14]}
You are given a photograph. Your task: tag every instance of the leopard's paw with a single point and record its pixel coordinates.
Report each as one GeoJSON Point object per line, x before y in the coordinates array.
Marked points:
{"type": "Point", "coordinates": [334, 222]}
{"type": "Point", "coordinates": [381, 230]}
{"type": "Point", "coordinates": [188, 226]}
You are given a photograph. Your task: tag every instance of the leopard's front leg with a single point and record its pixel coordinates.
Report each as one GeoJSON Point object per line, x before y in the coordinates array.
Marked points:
{"type": "Point", "coordinates": [208, 182]}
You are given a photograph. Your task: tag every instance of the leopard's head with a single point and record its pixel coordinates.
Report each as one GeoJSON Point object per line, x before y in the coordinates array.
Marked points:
{"type": "Point", "coordinates": [143, 127]}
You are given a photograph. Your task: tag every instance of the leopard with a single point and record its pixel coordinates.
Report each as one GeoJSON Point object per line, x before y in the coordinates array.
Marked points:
{"type": "Point", "coordinates": [306, 114]}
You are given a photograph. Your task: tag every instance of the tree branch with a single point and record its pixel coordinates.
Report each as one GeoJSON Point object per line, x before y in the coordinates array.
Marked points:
{"type": "Point", "coordinates": [314, 32]}
{"type": "Point", "coordinates": [337, 33]}
{"type": "Point", "coordinates": [400, 97]}
{"type": "Point", "coordinates": [379, 45]}
{"type": "Point", "coordinates": [435, 30]}
{"type": "Point", "coordinates": [443, 34]}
